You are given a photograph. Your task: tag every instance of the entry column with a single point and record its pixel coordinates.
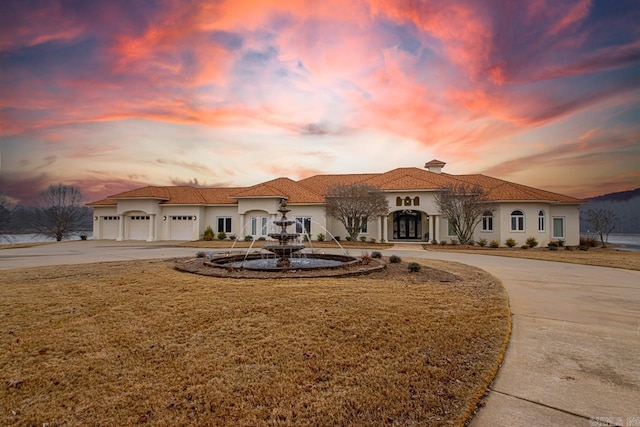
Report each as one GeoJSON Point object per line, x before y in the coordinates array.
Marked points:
{"type": "Point", "coordinates": [242, 224]}
{"type": "Point", "coordinates": [121, 228]}
{"type": "Point", "coordinates": [436, 234]}
{"type": "Point", "coordinates": [152, 221]}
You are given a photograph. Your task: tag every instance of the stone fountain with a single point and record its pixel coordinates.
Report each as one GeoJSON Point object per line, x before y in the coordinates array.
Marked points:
{"type": "Point", "coordinates": [284, 249]}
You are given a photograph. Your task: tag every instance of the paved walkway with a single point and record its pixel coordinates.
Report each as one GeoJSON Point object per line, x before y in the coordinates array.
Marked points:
{"type": "Point", "coordinates": [574, 354]}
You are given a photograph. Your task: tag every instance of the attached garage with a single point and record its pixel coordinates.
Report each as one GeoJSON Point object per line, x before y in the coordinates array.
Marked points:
{"type": "Point", "coordinates": [138, 227]}
{"type": "Point", "coordinates": [181, 227]}
{"type": "Point", "coordinates": [109, 227]}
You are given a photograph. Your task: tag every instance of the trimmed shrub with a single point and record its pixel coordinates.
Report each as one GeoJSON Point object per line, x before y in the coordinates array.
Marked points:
{"type": "Point", "coordinates": [532, 242]}
{"type": "Point", "coordinates": [222, 235]}
{"type": "Point", "coordinates": [262, 238]}
{"type": "Point", "coordinates": [561, 242]}
{"type": "Point", "coordinates": [414, 267]}
{"type": "Point", "coordinates": [336, 238]}
{"type": "Point", "coordinates": [363, 239]}
{"type": "Point", "coordinates": [395, 259]}
{"type": "Point", "coordinates": [494, 244]}
{"type": "Point", "coordinates": [208, 234]}
{"type": "Point", "coordinates": [553, 246]}
{"type": "Point", "coordinates": [510, 242]}
{"type": "Point", "coordinates": [482, 242]}
{"type": "Point", "coordinates": [443, 242]}
{"type": "Point", "coordinates": [248, 238]}
{"type": "Point", "coordinates": [321, 237]}
{"type": "Point", "coordinates": [525, 246]}
{"type": "Point", "coordinates": [233, 237]}
{"type": "Point", "coordinates": [589, 241]}
{"type": "Point", "coordinates": [83, 237]}
{"type": "Point", "coordinates": [201, 254]}
{"type": "Point", "coordinates": [434, 242]}
{"type": "Point", "coordinates": [376, 254]}
{"type": "Point", "coordinates": [348, 238]}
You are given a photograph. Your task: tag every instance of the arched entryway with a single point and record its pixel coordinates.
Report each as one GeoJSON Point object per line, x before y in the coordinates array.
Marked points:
{"type": "Point", "coordinates": [407, 225]}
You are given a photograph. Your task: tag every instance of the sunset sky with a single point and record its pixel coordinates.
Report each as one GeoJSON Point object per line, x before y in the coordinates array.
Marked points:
{"type": "Point", "coordinates": [111, 95]}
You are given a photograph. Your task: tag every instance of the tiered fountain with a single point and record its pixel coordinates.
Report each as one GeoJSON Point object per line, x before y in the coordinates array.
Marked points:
{"type": "Point", "coordinates": [283, 249]}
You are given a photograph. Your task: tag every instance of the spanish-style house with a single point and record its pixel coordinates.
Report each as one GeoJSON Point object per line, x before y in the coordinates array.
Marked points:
{"type": "Point", "coordinates": [183, 213]}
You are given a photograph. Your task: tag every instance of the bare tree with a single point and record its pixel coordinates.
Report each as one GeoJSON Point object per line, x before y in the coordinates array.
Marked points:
{"type": "Point", "coordinates": [353, 205]}
{"type": "Point", "coordinates": [59, 211]}
{"type": "Point", "coordinates": [603, 221]}
{"type": "Point", "coordinates": [463, 205]}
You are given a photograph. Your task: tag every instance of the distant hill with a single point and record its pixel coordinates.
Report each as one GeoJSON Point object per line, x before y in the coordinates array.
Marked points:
{"type": "Point", "coordinates": [626, 206]}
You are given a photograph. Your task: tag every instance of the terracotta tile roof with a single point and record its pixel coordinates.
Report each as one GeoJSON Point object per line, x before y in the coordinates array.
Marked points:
{"type": "Point", "coordinates": [411, 179]}
{"type": "Point", "coordinates": [313, 189]}
{"type": "Point", "coordinates": [219, 196]}
{"type": "Point", "coordinates": [499, 189]}
{"type": "Point", "coordinates": [103, 202]}
{"type": "Point", "coordinates": [281, 187]}
{"type": "Point", "coordinates": [148, 192]}
{"type": "Point", "coordinates": [320, 184]}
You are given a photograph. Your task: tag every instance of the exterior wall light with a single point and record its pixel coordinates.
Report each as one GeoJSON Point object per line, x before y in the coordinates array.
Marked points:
{"type": "Point", "coordinates": [195, 217]}
{"type": "Point", "coordinates": [95, 218]}
{"type": "Point", "coordinates": [164, 218]}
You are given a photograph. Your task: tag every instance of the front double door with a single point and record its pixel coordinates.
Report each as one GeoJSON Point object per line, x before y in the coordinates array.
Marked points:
{"type": "Point", "coordinates": [407, 225]}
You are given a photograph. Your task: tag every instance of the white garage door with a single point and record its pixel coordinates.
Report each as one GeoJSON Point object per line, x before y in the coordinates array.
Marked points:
{"type": "Point", "coordinates": [138, 227]}
{"type": "Point", "coordinates": [181, 227]}
{"type": "Point", "coordinates": [109, 226]}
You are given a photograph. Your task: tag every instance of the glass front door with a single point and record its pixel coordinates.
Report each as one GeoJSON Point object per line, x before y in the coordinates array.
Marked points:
{"type": "Point", "coordinates": [407, 225]}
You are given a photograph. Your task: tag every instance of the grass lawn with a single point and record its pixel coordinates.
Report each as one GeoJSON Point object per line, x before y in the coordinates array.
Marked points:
{"type": "Point", "coordinates": [139, 342]}
{"type": "Point", "coordinates": [607, 257]}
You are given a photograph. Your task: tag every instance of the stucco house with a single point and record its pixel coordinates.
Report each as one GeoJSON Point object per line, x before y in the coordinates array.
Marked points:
{"type": "Point", "coordinates": [183, 213]}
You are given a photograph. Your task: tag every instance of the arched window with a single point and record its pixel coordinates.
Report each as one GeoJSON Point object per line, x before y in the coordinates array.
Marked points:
{"type": "Point", "coordinates": [407, 201]}
{"type": "Point", "coordinates": [541, 222]}
{"type": "Point", "coordinates": [487, 221]}
{"type": "Point", "coordinates": [517, 221]}
{"type": "Point", "coordinates": [416, 201]}
{"type": "Point", "coordinates": [398, 201]}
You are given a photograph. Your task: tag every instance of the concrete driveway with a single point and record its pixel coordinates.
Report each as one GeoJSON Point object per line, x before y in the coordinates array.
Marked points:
{"type": "Point", "coordinates": [574, 354]}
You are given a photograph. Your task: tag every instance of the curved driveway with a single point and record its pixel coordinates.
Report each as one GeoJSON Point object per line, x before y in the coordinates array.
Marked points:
{"type": "Point", "coordinates": [574, 354]}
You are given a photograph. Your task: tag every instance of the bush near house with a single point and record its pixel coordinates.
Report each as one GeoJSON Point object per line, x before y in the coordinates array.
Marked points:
{"type": "Point", "coordinates": [248, 238]}
{"type": "Point", "coordinates": [553, 246]}
{"type": "Point", "coordinates": [532, 242]}
{"type": "Point", "coordinates": [376, 254]}
{"type": "Point", "coordinates": [482, 242]}
{"type": "Point", "coordinates": [494, 244]}
{"type": "Point", "coordinates": [321, 237]}
{"type": "Point", "coordinates": [363, 239]}
{"type": "Point", "coordinates": [233, 237]}
{"type": "Point", "coordinates": [510, 242]}
{"type": "Point", "coordinates": [208, 234]}
{"type": "Point", "coordinates": [222, 235]}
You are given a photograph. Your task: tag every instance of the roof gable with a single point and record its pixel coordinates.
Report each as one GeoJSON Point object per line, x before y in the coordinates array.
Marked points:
{"type": "Point", "coordinates": [281, 187]}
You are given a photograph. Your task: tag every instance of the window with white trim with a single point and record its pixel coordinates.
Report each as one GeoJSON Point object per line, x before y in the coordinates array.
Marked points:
{"type": "Point", "coordinates": [224, 224]}
{"type": "Point", "coordinates": [487, 221]}
{"type": "Point", "coordinates": [517, 220]}
{"type": "Point", "coordinates": [111, 218]}
{"type": "Point", "coordinates": [363, 224]}
{"type": "Point", "coordinates": [139, 217]}
{"type": "Point", "coordinates": [450, 231]}
{"type": "Point", "coordinates": [541, 221]}
{"type": "Point", "coordinates": [303, 224]}
{"type": "Point", "coordinates": [558, 228]}
{"type": "Point", "coordinates": [182, 218]}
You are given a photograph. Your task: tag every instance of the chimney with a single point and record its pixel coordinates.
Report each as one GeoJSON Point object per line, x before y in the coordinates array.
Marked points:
{"type": "Point", "coordinates": [434, 166]}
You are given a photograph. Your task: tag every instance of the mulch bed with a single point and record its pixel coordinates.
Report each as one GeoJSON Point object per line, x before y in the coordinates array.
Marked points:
{"type": "Point", "coordinates": [376, 269]}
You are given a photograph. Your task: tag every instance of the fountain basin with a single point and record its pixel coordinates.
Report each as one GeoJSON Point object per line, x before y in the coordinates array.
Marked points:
{"type": "Point", "coordinates": [257, 262]}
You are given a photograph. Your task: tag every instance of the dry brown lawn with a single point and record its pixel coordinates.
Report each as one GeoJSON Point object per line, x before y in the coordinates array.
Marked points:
{"type": "Point", "coordinates": [139, 342]}
{"type": "Point", "coordinates": [607, 257]}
